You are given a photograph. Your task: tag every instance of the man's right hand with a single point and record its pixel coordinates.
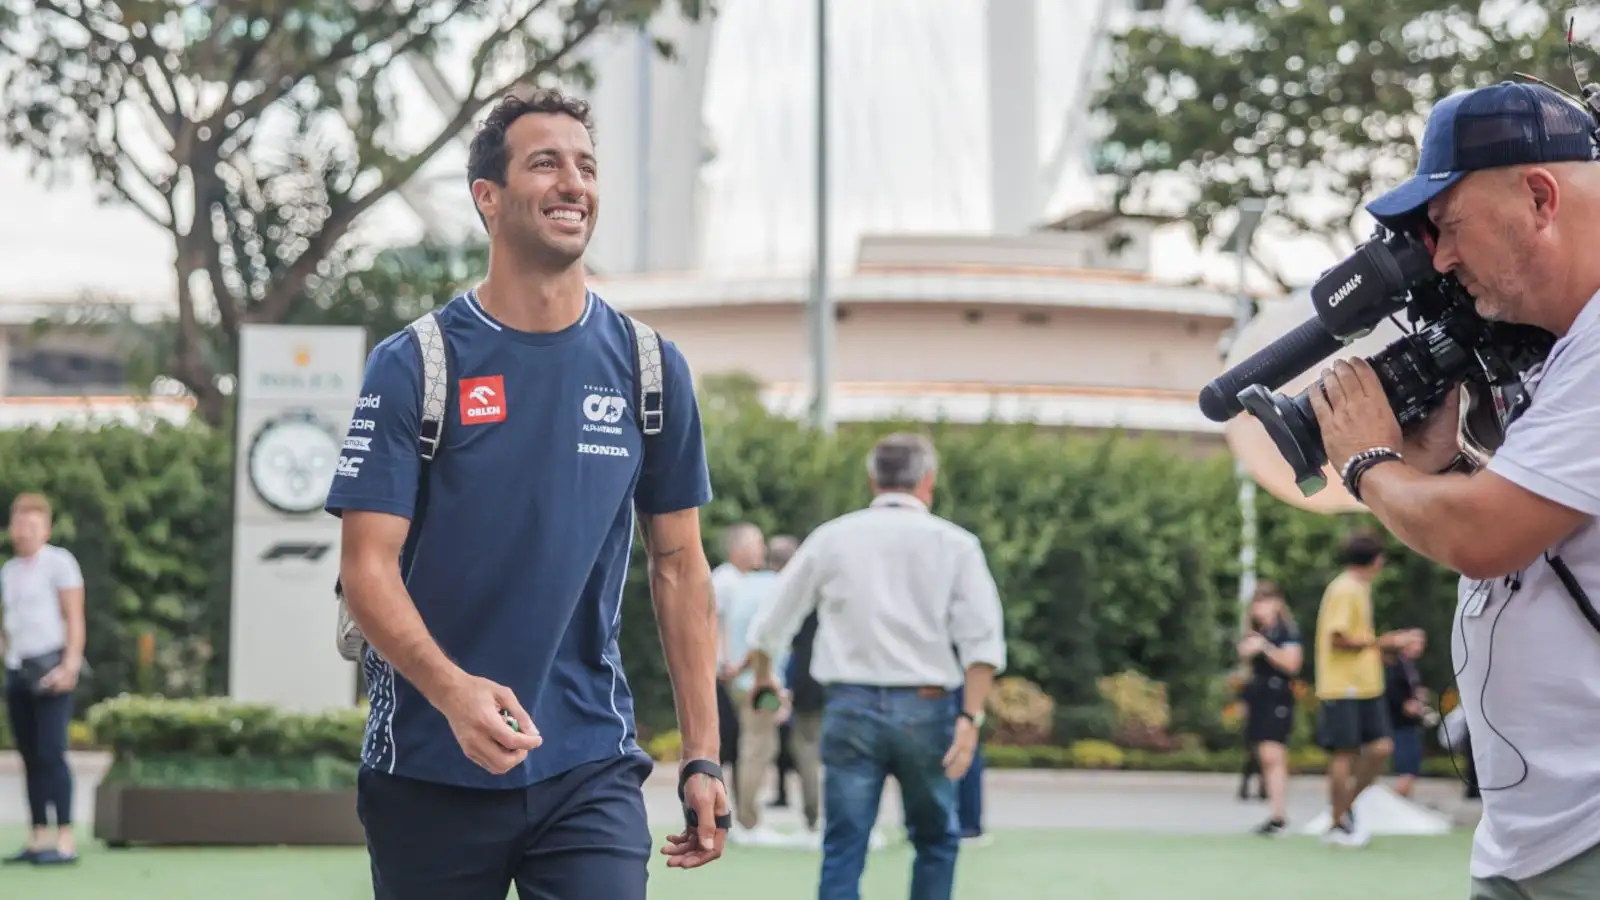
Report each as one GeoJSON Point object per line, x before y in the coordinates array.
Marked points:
{"type": "Point", "coordinates": [473, 709]}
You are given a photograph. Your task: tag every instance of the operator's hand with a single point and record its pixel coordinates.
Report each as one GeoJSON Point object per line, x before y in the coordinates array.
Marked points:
{"type": "Point", "coordinates": [692, 848]}
{"type": "Point", "coordinates": [1436, 440]}
{"type": "Point", "coordinates": [1353, 412]}
{"type": "Point", "coordinates": [958, 758]}
{"type": "Point", "coordinates": [473, 709]}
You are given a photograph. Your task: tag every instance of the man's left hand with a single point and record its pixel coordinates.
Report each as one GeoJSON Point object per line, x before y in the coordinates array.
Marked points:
{"type": "Point", "coordinates": [694, 847]}
{"type": "Point", "coordinates": [959, 757]}
{"type": "Point", "coordinates": [1353, 412]}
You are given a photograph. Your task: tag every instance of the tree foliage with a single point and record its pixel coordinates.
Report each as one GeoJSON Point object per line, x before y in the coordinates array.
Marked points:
{"type": "Point", "coordinates": [257, 132]}
{"type": "Point", "coordinates": [400, 284]}
{"type": "Point", "coordinates": [1315, 106]}
{"type": "Point", "coordinates": [1111, 554]}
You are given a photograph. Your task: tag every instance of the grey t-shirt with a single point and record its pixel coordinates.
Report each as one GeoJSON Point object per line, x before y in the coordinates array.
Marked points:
{"type": "Point", "coordinates": [30, 592]}
{"type": "Point", "coordinates": [1541, 698]}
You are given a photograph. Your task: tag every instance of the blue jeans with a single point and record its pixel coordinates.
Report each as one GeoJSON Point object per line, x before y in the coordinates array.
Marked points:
{"type": "Point", "coordinates": [869, 734]}
{"type": "Point", "coordinates": [970, 814]}
{"type": "Point", "coordinates": [39, 725]}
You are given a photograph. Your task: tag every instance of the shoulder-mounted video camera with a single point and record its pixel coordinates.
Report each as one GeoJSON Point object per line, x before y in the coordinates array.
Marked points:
{"type": "Point", "coordinates": [1445, 343]}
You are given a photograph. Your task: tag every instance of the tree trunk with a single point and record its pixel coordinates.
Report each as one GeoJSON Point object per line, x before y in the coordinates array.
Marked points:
{"type": "Point", "coordinates": [189, 365]}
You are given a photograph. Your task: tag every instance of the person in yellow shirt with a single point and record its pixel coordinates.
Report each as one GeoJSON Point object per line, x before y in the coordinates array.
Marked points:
{"type": "Point", "coordinates": [1352, 720]}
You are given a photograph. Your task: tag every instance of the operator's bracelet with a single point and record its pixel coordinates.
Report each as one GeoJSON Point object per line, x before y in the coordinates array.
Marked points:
{"type": "Point", "coordinates": [1360, 463]}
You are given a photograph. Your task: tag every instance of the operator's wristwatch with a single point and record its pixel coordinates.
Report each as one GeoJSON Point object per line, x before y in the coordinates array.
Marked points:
{"type": "Point", "coordinates": [976, 720]}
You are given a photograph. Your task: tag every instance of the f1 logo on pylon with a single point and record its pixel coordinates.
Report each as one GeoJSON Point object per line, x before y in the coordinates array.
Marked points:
{"type": "Point", "coordinates": [483, 399]}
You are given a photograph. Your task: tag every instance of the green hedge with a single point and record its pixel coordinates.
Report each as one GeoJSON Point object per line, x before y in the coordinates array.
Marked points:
{"type": "Point", "coordinates": [1112, 553]}
{"type": "Point", "coordinates": [214, 726]}
{"type": "Point", "coordinates": [213, 742]}
{"type": "Point", "coordinates": [217, 743]}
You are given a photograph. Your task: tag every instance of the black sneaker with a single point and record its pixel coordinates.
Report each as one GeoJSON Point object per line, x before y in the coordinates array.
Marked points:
{"type": "Point", "coordinates": [1272, 828]}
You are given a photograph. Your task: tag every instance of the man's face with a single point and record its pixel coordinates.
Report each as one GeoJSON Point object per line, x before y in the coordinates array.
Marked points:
{"type": "Point", "coordinates": [29, 532]}
{"type": "Point", "coordinates": [753, 555]}
{"type": "Point", "coordinates": [550, 201]}
{"type": "Point", "coordinates": [1491, 237]}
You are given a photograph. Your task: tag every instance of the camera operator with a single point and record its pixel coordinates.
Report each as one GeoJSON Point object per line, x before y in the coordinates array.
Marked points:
{"type": "Point", "coordinates": [1508, 192]}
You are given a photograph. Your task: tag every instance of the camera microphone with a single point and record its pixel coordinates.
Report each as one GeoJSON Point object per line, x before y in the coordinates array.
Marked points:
{"type": "Point", "coordinates": [1272, 367]}
{"type": "Point", "coordinates": [1350, 299]}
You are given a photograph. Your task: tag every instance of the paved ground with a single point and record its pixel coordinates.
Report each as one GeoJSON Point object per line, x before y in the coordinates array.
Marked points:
{"type": "Point", "coordinates": [1179, 803]}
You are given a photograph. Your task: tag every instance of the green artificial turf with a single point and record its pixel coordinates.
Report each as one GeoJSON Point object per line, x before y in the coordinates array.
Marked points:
{"type": "Point", "coordinates": [1019, 865]}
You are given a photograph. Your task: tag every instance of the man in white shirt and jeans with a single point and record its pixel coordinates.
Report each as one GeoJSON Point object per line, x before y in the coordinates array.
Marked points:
{"type": "Point", "coordinates": [908, 613]}
{"type": "Point", "coordinates": [1508, 191]}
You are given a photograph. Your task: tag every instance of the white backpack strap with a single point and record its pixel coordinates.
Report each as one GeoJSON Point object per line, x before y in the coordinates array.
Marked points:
{"type": "Point", "coordinates": [435, 387]}
{"type": "Point", "coordinates": [435, 381]}
{"type": "Point", "coordinates": [651, 376]}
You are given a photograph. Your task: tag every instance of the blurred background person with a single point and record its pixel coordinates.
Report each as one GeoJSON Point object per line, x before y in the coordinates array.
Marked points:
{"type": "Point", "coordinates": [41, 590]}
{"type": "Point", "coordinates": [909, 616]}
{"type": "Point", "coordinates": [1409, 709]}
{"type": "Point", "coordinates": [1271, 647]}
{"type": "Point", "coordinates": [758, 721]}
{"type": "Point", "coordinates": [743, 551]}
{"type": "Point", "coordinates": [806, 699]}
{"type": "Point", "coordinates": [1353, 717]}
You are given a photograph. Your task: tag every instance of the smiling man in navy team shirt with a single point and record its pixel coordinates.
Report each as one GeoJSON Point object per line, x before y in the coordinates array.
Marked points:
{"type": "Point", "coordinates": [512, 596]}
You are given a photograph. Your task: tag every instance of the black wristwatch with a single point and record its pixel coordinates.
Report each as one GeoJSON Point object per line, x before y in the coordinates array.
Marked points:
{"type": "Point", "coordinates": [701, 767]}
{"type": "Point", "coordinates": [976, 720]}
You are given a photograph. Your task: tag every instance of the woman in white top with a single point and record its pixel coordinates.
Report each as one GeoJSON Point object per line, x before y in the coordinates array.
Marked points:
{"type": "Point", "coordinates": [41, 591]}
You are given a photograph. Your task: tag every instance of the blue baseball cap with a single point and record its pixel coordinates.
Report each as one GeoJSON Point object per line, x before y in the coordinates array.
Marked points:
{"type": "Point", "coordinates": [1507, 124]}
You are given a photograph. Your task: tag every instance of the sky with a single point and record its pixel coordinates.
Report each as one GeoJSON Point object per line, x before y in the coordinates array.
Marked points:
{"type": "Point", "coordinates": [909, 153]}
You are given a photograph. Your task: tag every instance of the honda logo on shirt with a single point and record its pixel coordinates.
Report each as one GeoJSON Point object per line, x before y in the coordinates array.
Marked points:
{"type": "Point", "coordinates": [483, 399]}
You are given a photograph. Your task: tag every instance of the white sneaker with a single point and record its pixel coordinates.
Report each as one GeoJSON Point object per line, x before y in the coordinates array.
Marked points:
{"type": "Point", "coordinates": [1339, 836]}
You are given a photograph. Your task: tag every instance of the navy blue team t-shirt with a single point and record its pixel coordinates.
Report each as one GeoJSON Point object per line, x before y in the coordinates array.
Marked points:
{"type": "Point", "coordinates": [525, 540]}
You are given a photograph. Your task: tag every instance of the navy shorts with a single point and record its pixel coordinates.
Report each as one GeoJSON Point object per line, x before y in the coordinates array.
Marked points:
{"type": "Point", "coordinates": [583, 833]}
{"type": "Point", "coordinates": [1345, 726]}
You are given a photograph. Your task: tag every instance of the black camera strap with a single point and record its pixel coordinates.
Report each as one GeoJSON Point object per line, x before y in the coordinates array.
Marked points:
{"type": "Point", "coordinates": [1520, 405]}
{"type": "Point", "coordinates": [1570, 582]}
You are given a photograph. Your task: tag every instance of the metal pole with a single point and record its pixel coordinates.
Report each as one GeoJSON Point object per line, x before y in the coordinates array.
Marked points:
{"type": "Point", "coordinates": [1247, 485]}
{"type": "Point", "coordinates": [821, 305]}
{"type": "Point", "coordinates": [1250, 211]}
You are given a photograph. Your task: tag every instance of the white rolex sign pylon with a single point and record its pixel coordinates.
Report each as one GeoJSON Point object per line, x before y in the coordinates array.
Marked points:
{"type": "Point", "coordinates": [296, 389]}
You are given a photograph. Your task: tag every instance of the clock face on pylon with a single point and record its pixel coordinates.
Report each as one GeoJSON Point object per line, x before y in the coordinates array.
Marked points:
{"type": "Point", "coordinates": [292, 460]}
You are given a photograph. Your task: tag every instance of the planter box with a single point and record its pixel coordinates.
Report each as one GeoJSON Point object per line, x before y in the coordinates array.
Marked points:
{"type": "Point", "coordinates": [128, 814]}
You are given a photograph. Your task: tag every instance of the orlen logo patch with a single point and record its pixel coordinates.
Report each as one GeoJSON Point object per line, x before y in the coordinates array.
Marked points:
{"type": "Point", "coordinates": [483, 400]}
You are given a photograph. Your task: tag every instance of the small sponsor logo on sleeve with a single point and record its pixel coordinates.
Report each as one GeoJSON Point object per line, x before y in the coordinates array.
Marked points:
{"type": "Point", "coordinates": [358, 443]}
{"type": "Point", "coordinates": [362, 425]}
{"type": "Point", "coordinates": [349, 466]}
{"type": "Point", "coordinates": [369, 401]}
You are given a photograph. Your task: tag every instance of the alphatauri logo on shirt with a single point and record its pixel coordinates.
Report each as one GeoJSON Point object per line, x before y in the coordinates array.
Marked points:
{"type": "Point", "coordinates": [483, 399]}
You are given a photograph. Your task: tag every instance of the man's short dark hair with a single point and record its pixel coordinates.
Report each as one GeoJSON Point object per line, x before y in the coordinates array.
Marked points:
{"type": "Point", "coordinates": [1362, 549]}
{"type": "Point", "coordinates": [487, 158]}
